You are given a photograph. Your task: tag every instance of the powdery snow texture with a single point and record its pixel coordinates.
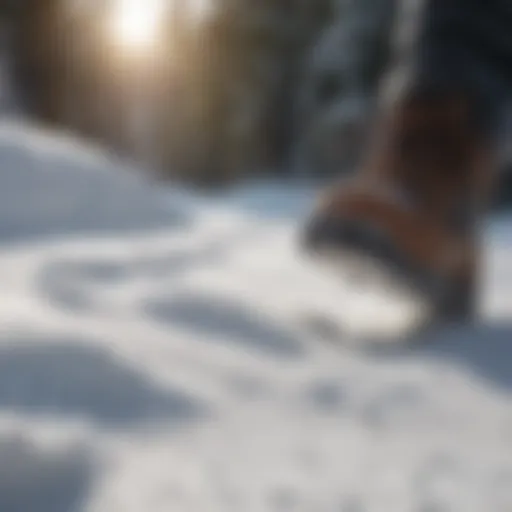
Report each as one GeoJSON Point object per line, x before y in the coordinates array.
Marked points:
{"type": "Point", "coordinates": [153, 358]}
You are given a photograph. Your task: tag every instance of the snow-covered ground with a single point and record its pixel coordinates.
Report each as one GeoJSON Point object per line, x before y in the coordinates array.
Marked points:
{"type": "Point", "coordinates": [154, 358]}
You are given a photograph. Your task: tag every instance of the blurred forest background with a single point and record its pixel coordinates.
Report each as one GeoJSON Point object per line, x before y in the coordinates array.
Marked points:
{"type": "Point", "coordinates": [233, 88]}
{"type": "Point", "coordinates": [237, 87]}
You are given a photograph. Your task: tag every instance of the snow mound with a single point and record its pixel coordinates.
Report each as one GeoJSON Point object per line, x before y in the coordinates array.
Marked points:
{"type": "Point", "coordinates": [52, 186]}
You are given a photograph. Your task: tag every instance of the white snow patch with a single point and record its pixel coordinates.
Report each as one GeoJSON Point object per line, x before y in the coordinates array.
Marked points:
{"type": "Point", "coordinates": [169, 327]}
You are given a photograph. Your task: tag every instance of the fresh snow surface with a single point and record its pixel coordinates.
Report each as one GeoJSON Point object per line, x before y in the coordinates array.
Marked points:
{"type": "Point", "coordinates": [157, 354]}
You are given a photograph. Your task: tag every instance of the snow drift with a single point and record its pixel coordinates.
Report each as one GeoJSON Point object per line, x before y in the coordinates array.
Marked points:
{"type": "Point", "coordinates": [159, 341]}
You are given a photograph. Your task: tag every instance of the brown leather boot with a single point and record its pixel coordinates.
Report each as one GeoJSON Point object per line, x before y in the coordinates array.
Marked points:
{"type": "Point", "coordinates": [412, 209]}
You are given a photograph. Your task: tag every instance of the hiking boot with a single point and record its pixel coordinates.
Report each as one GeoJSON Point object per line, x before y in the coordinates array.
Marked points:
{"type": "Point", "coordinates": [404, 227]}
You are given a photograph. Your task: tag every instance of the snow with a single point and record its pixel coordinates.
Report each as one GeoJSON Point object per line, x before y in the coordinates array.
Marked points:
{"type": "Point", "coordinates": [155, 355]}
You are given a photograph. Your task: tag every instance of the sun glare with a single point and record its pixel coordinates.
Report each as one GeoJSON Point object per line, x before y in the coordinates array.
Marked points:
{"type": "Point", "coordinates": [136, 22]}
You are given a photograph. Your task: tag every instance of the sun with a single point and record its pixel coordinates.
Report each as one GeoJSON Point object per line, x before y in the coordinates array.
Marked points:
{"type": "Point", "coordinates": [136, 23]}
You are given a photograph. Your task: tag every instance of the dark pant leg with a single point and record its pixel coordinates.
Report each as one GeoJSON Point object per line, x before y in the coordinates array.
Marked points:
{"type": "Point", "coordinates": [466, 45]}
